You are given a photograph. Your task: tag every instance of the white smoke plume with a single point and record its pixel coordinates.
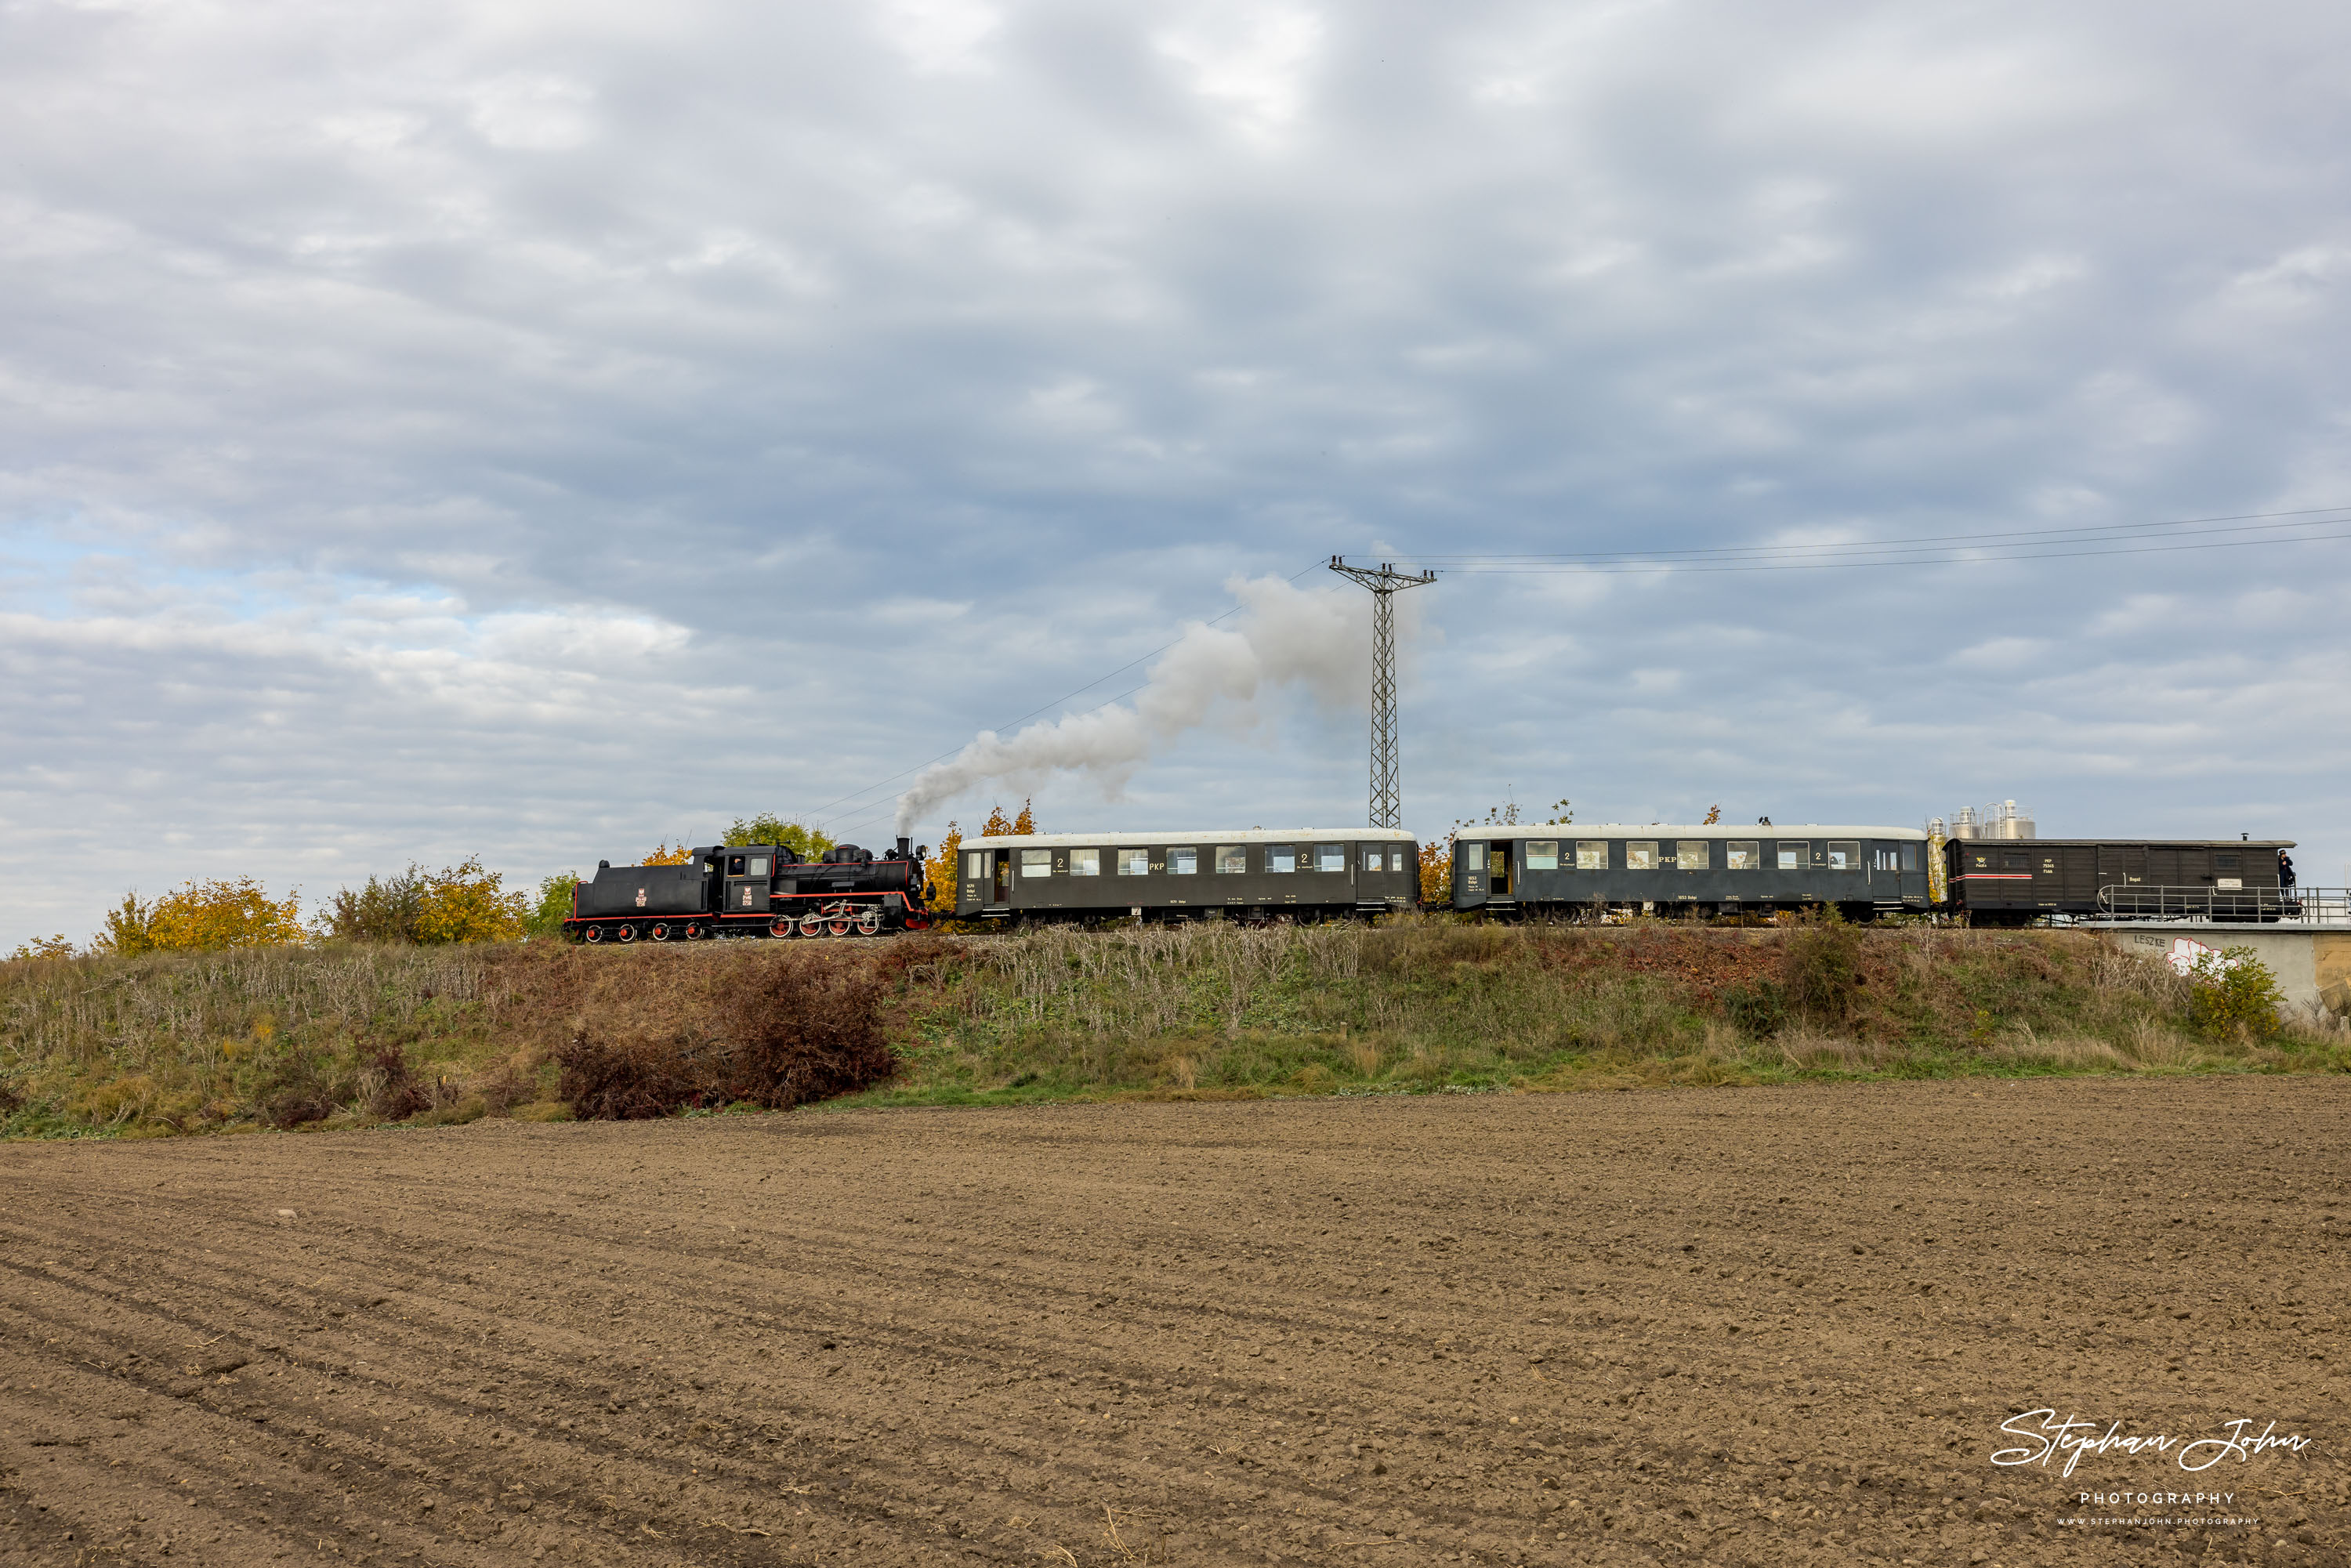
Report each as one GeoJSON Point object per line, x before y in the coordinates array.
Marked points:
{"type": "Point", "coordinates": [1320, 639]}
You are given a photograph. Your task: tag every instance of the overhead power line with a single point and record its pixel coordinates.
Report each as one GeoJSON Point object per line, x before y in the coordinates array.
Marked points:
{"type": "Point", "coordinates": [2242, 530]}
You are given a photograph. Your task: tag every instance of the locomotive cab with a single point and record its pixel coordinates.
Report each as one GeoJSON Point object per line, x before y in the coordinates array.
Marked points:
{"type": "Point", "coordinates": [751, 876]}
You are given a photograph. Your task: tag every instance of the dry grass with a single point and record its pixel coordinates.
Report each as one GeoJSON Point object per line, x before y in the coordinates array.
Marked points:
{"type": "Point", "coordinates": [184, 1043]}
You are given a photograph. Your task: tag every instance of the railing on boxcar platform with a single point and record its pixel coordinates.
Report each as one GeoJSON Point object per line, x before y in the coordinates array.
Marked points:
{"type": "Point", "coordinates": [2292, 905]}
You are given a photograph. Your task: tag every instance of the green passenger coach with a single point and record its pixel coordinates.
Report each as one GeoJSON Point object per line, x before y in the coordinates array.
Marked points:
{"type": "Point", "coordinates": [1254, 875]}
{"type": "Point", "coordinates": [1707, 869]}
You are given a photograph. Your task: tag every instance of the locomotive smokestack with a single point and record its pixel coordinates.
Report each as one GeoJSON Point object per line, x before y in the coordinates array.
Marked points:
{"type": "Point", "coordinates": [905, 848]}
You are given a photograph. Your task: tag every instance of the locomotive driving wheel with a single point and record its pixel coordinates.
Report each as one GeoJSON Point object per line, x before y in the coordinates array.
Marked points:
{"type": "Point", "coordinates": [780, 927]}
{"type": "Point", "coordinates": [869, 922]}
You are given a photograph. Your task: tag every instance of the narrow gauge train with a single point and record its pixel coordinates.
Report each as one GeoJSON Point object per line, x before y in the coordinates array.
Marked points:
{"type": "Point", "coordinates": [1703, 869]}
{"type": "Point", "coordinates": [1253, 876]}
{"type": "Point", "coordinates": [753, 890]}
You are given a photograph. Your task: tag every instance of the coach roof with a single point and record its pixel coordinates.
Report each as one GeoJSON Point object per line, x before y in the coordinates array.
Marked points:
{"type": "Point", "coordinates": [1685, 831]}
{"type": "Point", "coordinates": [1201, 836]}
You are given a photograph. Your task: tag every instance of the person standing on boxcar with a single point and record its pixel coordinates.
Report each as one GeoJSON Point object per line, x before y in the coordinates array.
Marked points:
{"type": "Point", "coordinates": [2286, 869]}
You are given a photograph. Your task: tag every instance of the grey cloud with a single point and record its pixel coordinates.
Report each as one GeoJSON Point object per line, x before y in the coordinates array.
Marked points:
{"type": "Point", "coordinates": [536, 429]}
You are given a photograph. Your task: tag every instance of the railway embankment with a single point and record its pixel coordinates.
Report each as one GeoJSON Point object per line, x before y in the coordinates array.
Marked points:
{"type": "Point", "coordinates": [345, 1036]}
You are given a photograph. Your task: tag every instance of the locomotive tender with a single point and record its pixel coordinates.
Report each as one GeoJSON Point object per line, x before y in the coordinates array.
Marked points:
{"type": "Point", "coordinates": [753, 890]}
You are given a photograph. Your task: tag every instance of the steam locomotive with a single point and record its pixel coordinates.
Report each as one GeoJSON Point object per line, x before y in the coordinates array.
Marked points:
{"type": "Point", "coordinates": [754, 890]}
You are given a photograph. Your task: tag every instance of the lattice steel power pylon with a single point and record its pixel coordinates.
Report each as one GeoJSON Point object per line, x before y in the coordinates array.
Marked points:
{"type": "Point", "coordinates": [1383, 580]}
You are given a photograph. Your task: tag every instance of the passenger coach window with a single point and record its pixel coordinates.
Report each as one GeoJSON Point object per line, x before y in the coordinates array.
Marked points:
{"type": "Point", "coordinates": [1085, 863]}
{"type": "Point", "coordinates": [1396, 860]}
{"type": "Point", "coordinates": [1844, 857]}
{"type": "Point", "coordinates": [975, 863]}
{"type": "Point", "coordinates": [1640, 857]}
{"type": "Point", "coordinates": [1742, 857]}
{"type": "Point", "coordinates": [1792, 856]}
{"type": "Point", "coordinates": [1281, 857]}
{"type": "Point", "coordinates": [1909, 857]}
{"type": "Point", "coordinates": [1183, 863]}
{"type": "Point", "coordinates": [1330, 857]}
{"type": "Point", "coordinates": [1693, 854]}
{"type": "Point", "coordinates": [1592, 854]}
{"type": "Point", "coordinates": [1232, 859]}
{"type": "Point", "coordinates": [1036, 862]}
{"type": "Point", "coordinates": [1134, 863]}
{"type": "Point", "coordinates": [1371, 860]}
{"type": "Point", "coordinates": [1542, 854]}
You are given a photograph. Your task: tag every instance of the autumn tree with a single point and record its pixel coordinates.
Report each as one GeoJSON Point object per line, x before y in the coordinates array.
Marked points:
{"type": "Point", "coordinates": [57, 947]}
{"type": "Point", "coordinates": [1000, 826]}
{"type": "Point", "coordinates": [1437, 874]}
{"type": "Point", "coordinates": [463, 903]}
{"type": "Point", "coordinates": [941, 871]}
{"type": "Point", "coordinates": [767, 827]}
{"type": "Point", "coordinates": [203, 916]}
{"type": "Point", "coordinates": [554, 906]}
{"type": "Point", "coordinates": [664, 855]}
{"type": "Point", "coordinates": [385, 910]}
{"type": "Point", "coordinates": [466, 903]}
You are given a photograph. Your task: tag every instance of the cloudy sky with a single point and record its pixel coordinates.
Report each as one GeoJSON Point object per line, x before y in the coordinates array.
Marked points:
{"type": "Point", "coordinates": [539, 430]}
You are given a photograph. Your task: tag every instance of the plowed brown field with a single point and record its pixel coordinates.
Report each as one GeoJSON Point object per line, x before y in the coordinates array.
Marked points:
{"type": "Point", "coordinates": [1733, 1326]}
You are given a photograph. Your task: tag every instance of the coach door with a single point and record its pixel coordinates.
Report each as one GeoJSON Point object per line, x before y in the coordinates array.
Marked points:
{"type": "Point", "coordinates": [1003, 893]}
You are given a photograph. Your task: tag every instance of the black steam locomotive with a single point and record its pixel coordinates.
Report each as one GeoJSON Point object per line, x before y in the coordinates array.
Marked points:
{"type": "Point", "coordinates": [754, 890]}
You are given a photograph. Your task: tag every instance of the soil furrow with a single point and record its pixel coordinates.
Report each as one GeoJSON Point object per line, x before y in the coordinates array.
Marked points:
{"type": "Point", "coordinates": [1739, 1327]}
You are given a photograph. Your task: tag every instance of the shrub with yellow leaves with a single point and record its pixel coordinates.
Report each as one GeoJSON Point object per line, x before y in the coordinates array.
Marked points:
{"type": "Point", "coordinates": [466, 903]}
{"type": "Point", "coordinates": [940, 870]}
{"type": "Point", "coordinates": [203, 916]}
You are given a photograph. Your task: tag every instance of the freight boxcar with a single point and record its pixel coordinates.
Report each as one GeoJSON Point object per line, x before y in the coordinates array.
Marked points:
{"type": "Point", "coordinates": [1577, 871]}
{"type": "Point", "coordinates": [1315, 874]}
{"type": "Point", "coordinates": [2010, 882]}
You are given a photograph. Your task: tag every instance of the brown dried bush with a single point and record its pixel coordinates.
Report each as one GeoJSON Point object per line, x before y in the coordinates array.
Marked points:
{"type": "Point", "coordinates": [800, 1031]}
{"type": "Point", "coordinates": [303, 1090]}
{"type": "Point", "coordinates": [623, 1080]}
{"type": "Point", "coordinates": [783, 1029]}
{"type": "Point", "coordinates": [391, 1086]}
